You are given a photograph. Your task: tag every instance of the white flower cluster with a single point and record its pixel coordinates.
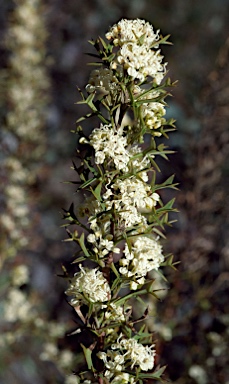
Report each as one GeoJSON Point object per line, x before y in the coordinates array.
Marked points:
{"type": "Point", "coordinates": [102, 80]}
{"type": "Point", "coordinates": [138, 49]}
{"type": "Point", "coordinates": [122, 352]}
{"type": "Point", "coordinates": [145, 255]}
{"type": "Point", "coordinates": [131, 197]}
{"type": "Point", "coordinates": [102, 246]}
{"type": "Point", "coordinates": [88, 285]}
{"type": "Point", "coordinates": [136, 193]}
{"type": "Point", "coordinates": [126, 31]}
{"type": "Point", "coordinates": [110, 144]}
{"type": "Point", "coordinates": [115, 313]}
{"type": "Point", "coordinates": [90, 207]}
{"type": "Point", "coordinates": [152, 114]}
{"type": "Point", "coordinates": [139, 164]}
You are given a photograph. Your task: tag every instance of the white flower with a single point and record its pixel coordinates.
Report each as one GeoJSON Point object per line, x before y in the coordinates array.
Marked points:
{"type": "Point", "coordinates": [113, 361]}
{"type": "Point", "coordinates": [146, 254]}
{"type": "Point", "coordinates": [90, 207]}
{"type": "Point", "coordinates": [123, 351]}
{"type": "Point", "coordinates": [138, 52]}
{"type": "Point", "coordinates": [123, 378]}
{"type": "Point", "coordinates": [140, 62]}
{"type": "Point", "coordinates": [91, 238]}
{"type": "Point", "coordinates": [115, 313]}
{"type": "Point", "coordinates": [20, 275]}
{"type": "Point", "coordinates": [88, 285]}
{"type": "Point", "coordinates": [130, 198]}
{"type": "Point", "coordinates": [129, 215]}
{"type": "Point", "coordinates": [135, 192]}
{"type": "Point", "coordinates": [138, 163]}
{"type": "Point", "coordinates": [139, 354]}
{"type": "Point", "coordinates": [110, 144]}
{"type": "Point", "coordinates": [102, 80]}
{"type": "Point", "coordinates": [131, 31]}
{"type": "Point", "coordinates": [101, 239]}
{"type": "Point", "coordinates": [152, 113]}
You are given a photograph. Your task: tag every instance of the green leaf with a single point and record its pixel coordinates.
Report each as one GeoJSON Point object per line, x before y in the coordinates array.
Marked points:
{"type": "Point", "coordinates": [92, 55]}
{"type": "Point", "coordinates": [130, 295]}
{"type": "Point", "coordinates": [103, 43]}
{"type": "Point", "coordinates": [87, 353]}
{"type": "Point", "coordinates": [155, 375]}
{"type": "Point", "coordinates": [78, 260]}
{"type": "Point", "coordinates": [116, 283]}
{"type": "Point", "coordinates": [163, 40]}
{"type": "Point", "coordinates": [167, 183]}
{"type": "Point", "coordinates": [158, 232]}
{"type": "Point", "coordinates": [115, 270]}
{"type": "Point", "coordinates": [167, 207]}
{"type": "Point", "coordinates": [82, 245]}
{"type": "Point", "coordinates": [109, 58]}
{"type": "Point", "coordinates": [88, 182]}
{"type": "Point", "coordinates": [87, 116]}
{"type": "Point", "coordinates": [97, 191]}
{"type": "Point", "coordinates": [142, 39]}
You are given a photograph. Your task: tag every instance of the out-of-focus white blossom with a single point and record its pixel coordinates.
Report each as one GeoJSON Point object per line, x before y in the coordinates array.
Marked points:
{"type": "Point", "coordinates": [50, 352]}
{"type": "Point", "coordinates": [28, 81]}
{"type": "Point", "coordinates": [17, 307]}
{"type": "Point", "coordinates": [65, 359]}
{"type": "Point", "coordinates": [198, 374]}
{"type": "Point", "coordinates": [20, 275]}
{"type": "Point", "coordinates": [72, 379]}
{"type": "Point", "coordinates": [27, 98]}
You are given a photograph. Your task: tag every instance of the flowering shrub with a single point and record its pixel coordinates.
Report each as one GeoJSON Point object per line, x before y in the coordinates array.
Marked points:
{"type": "Point", "coordinates": [27, 93]}
{"type": "Point", "coordinates": [120, 224]}
{"type": "Point", "coordinates": [24, 322]}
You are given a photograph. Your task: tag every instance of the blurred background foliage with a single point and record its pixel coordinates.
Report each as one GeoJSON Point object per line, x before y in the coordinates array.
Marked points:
{"type": "Point", "coordinates": [192, 320]}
